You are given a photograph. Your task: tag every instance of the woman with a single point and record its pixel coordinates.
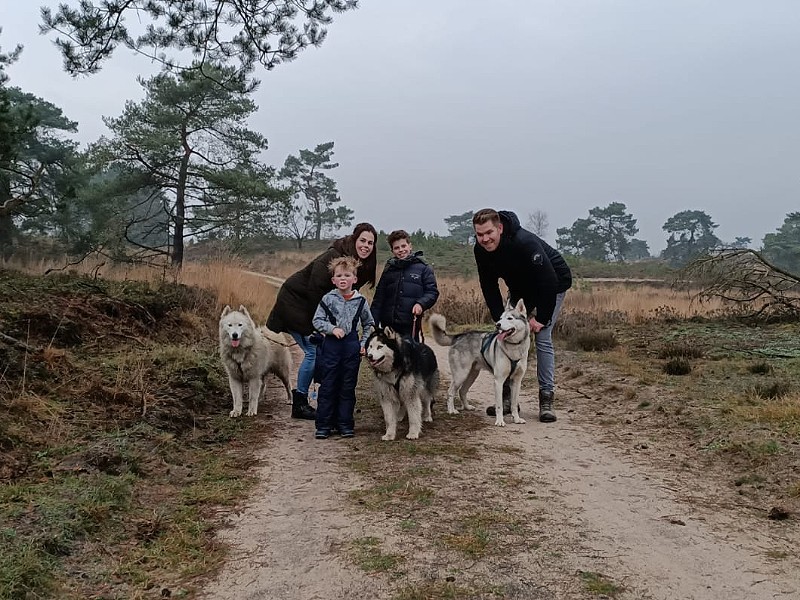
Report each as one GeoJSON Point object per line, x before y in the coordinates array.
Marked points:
{"type": "Point", "coordinates": [301, 293]}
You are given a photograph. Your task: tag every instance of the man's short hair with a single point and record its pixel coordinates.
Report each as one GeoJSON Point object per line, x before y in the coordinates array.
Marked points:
{"type": "Point", "coordinates": [396, 235]}
{"type": "Point", "coordinates": [485, 215]}
{"type": "Point", "coordinates": [348, 263]}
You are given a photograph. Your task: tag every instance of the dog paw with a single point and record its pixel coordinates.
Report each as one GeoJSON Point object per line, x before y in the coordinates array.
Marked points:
{"type": "Point", "coordinates": [469, 407]}
{"type": "Point", "coordinates": [252, 412]}
{"type": "Point", "coordinates": [519, 420]}
{"type": "Point", "coordinates": [452, 411]}
{"type": "Point", "coordinates": [428, 419]}
{"type": "Point", "coordinates": [500, 422]}
{"type": "Point", "coordinates": [387, 438]}
{"type": "Point", "coordinates": [236, 413]}
{"type": "Point", "coordinates": [412, 436]}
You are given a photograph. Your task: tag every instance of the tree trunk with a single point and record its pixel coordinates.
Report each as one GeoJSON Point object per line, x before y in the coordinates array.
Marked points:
{"type": "Point", "coordinates": [7, 230]}
{"type": "Point", "coordinates": [180, 209]}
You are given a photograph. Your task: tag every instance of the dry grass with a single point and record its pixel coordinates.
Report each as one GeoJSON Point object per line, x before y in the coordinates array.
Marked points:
{"type": "Point", "coordinates": [460, 301]}
{"type": "Point", "coordinates": [227, 277]}
{"type": "Point", "coordinates": [781, 413]}
{"type": "Point", "coordinates": [639, 303]}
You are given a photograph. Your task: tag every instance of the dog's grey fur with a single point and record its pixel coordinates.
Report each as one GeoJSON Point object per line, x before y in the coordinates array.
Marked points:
{"type": "Point", "coordinates": [406, 377]}
{"type": "Point", "coordinates": [511, 343]}
{"type": "Point", "coordinates": [249, 355]}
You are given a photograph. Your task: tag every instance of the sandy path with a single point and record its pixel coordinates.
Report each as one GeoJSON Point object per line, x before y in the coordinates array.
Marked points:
{"type": "Point", "coordinates": [283, 540]}
{"type": "Point", "coordinates": [631, 521]}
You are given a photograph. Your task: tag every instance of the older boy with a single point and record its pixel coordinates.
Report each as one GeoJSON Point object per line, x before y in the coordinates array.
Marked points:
{"type": "Point", "coordinates": [406, 289]}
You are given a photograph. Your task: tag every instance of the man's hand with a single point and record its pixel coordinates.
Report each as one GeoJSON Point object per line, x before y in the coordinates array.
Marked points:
{"type": "Point", "coordinates": [338, 332]}
{"type": "Point", "coordinates": [417, 310]}
{"type": "Point", "coordinates": [536, 327]}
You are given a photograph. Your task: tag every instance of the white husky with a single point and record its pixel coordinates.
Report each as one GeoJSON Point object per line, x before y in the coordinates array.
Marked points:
{"type": "Point", "coordinates": [248, 356]}
{"type": "Point", "coordinates": [502, 352]}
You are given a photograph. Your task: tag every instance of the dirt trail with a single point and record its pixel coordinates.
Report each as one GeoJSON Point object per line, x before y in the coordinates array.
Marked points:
{"type": "Point", "coordinates": [621, 515]}
{"type": "Point", "coordinates": [283, 540]}
{"type": "Point", "coordinates": [635, 521]}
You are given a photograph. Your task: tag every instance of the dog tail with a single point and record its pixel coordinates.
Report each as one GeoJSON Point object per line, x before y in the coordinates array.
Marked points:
{"type": "Point", "coordinates": [438, 324]}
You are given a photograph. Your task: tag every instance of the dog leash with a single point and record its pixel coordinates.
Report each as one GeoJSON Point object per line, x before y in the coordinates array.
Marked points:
{"type": "Point", "coordinates": [414, 331]}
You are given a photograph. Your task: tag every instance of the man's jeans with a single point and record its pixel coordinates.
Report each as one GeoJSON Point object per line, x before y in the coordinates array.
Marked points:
{"type": "Point", "coordinates": [545, 357]}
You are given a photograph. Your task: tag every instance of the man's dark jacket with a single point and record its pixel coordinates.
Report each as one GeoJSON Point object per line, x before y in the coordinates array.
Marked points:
{"type": "Point", "coordinates": [532, 270]}
{"type": "Point", "coordinates": [404, 283]}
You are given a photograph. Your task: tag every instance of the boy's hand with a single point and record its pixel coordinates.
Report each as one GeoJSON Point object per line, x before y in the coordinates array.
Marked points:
{"type": "Point", "coordinates": [363, 351]}
{"type": "Point", "coordinates": [338, 332]}
{"type": "Point", "coordinates": [417, 310]}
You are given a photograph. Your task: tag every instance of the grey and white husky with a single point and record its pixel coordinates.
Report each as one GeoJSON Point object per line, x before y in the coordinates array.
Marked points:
{"type": "Point", "coordinates": [249, 355]}
{"type": "Point", "coordinates": [503, 352]}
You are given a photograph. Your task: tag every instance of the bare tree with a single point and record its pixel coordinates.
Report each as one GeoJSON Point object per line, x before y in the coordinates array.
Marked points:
{"type": "Point", "coordinates": [538, 223]}
{"type": "Point", "coordinates": [744, 278]}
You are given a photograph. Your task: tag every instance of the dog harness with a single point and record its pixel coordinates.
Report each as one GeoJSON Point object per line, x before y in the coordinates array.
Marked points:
{"type": "Point", "coordinates": [487, 341]}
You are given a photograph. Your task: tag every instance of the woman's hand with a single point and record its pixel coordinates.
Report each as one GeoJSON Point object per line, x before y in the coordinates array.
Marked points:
{"type": "Point", "coordinates": [417, 310]}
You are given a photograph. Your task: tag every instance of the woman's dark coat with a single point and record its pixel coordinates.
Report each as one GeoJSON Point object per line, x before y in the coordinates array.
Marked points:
{"type": "Point", "coordinates": [301, 293]}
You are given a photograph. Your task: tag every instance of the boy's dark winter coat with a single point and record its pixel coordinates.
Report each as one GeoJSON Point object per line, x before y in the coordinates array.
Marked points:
{"type": "Point", "coordinates": [404, 283]}
{"type": "Point", "coordinates": [532, 270]}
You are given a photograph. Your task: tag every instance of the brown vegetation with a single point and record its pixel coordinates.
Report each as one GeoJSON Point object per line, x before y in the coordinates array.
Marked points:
{"type": "Point", "coordinates": [113, 428]}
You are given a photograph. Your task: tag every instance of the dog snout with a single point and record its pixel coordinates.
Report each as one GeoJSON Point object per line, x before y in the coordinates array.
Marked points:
{"type": "Point", "coordinates": [235, 335]}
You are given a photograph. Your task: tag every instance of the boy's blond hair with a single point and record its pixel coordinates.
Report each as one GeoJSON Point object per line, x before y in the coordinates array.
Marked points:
{"type": "Point", "coordinates": [344, 262]}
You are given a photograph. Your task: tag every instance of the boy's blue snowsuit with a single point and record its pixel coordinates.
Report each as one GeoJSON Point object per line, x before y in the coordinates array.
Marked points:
{"type": "Point", "coordinates": [338, 360]}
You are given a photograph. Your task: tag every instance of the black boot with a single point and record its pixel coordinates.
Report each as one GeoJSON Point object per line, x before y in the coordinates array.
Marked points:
{"type": "Point", "coordinates": [506, 401]}
{"type": "Point", "coordinates": [301, 409]}
{"type": "Point", "coordinates": [546, 412]}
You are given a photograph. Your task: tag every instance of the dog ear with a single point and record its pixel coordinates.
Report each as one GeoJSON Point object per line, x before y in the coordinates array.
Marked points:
{"type": "Point", "coordinates": [391, 333]}
{"type": "Point", "coordinates": [243, 310]}
{"type": "Point", "coordinates": [226, 310]}
{"type": "Point", "coordinates": [520, 308]}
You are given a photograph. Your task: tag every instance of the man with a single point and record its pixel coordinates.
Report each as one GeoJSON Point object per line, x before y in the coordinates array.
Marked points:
{"type": "Point", "coordinates": [533, 271]}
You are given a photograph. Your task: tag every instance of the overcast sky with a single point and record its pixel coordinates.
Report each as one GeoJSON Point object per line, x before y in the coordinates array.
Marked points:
{"type": "Point", "coordinates": [438, 107]}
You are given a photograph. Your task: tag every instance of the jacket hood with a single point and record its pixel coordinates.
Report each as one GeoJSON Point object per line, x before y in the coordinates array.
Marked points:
{"type": "Point", "coordinates": [510, 222]}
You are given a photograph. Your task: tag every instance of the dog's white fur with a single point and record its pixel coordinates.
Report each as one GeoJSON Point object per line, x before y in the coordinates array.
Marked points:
{"type": "Point", "coordinates": [512, 343]}
{"type": "Point", "coordinates": [249, 355]}
{"type": "Point", "coordinates": [400, 391]}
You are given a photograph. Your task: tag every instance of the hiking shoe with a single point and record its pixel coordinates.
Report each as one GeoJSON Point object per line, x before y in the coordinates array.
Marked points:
{"type": "Point", "coordinates": [322, 434]}
{"type": "Point", "coordinates": [546, 412]}
{"type": "Point", "coordinates": [346, 433]}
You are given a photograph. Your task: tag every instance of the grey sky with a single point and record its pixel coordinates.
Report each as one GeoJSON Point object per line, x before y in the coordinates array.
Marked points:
{"type": "Point", "coordinates": [439, 107]}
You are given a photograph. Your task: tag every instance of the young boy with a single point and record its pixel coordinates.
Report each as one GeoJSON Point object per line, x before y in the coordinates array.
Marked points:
{"type": "Point", "coordinates": [339, 355]}
{"type": "Point", "coordinates": [407, 287]}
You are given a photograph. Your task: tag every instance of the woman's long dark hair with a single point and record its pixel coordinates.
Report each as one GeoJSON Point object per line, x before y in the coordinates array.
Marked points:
{"type": "Point", "coordinates": [367, 272]}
